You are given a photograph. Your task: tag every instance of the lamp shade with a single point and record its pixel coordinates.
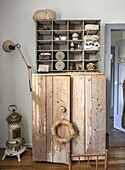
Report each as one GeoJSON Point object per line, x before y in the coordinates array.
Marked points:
{"type": "Point", "coordinates": [8, 46]}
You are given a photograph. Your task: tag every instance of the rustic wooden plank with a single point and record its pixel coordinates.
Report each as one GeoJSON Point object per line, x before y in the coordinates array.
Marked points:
{"type": "Point", "coordinates": [102, 110]}
{"type": "Point", "coordinates": [33, 115]}
{"type": "Point", "coordinates": [49, 109]}
{"type": "Point", "coordinates": [77, 114]}
{"type": "Point", "coordinates": [39, 119]}
{"type": "Point", "coordinates": [42, 118]}
{"type": "Point", "coordinates": [88, 114]}
{"type": "Point", "coordinates": [95, 110]}
{"type": "Point", "coordinates": [36, 150]}
{"type": "Point", "coordinates": [99, 113]}
{"type": "Point", "coordinates": [61, 97]}
{"type": "Point", "coordinates": [69, 74]}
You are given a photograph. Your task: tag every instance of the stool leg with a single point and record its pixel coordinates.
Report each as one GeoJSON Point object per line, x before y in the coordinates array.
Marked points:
{"type": "Point", "coordinates": [69, 155]}
{"type": "Point", "coordinates": [97, 163]}
{"type": "Point", "coordinates": [79, 163]}
{"type": "Point", "coordinates": [106, 160]}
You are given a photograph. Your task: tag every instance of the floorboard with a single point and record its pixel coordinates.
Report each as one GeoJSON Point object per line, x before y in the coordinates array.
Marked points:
{"type": "Point", "coordinates": [116, 161]}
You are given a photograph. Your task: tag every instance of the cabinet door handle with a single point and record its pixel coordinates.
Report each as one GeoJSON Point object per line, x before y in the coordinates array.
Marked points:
{"type": "Point", "coordinates": [62, 109]}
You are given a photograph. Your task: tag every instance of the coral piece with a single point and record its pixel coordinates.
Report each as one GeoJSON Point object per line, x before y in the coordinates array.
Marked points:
{"type": "Point", "coordinates": [46, 14]}
{"type": "Point", "coordinates": [90, 66]}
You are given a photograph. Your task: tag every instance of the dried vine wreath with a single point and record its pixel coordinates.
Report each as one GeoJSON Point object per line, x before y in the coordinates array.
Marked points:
{"type": "Point", "coordinates": [71, 131]}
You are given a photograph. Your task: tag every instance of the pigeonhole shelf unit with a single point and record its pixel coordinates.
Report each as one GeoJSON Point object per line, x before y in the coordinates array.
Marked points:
{"type": "Point", "coordinates": [68, 45]}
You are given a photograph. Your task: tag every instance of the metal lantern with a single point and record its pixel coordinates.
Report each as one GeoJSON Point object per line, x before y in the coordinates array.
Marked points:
{"type": "Point", "coordinates": [15, 143]}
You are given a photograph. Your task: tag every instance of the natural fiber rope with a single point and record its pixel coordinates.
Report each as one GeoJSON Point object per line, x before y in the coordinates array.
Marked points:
{"type": "Point", "coordinates": [71, 131]}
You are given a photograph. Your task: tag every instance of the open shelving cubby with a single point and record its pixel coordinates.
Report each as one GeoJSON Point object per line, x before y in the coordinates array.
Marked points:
{"type": "Point", "coordinates": [68, 45]}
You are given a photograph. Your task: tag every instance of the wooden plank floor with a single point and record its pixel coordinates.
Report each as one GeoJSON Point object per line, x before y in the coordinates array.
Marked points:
{"type": "Point", "coordinates": [117, 138]}
{"type": "Point", "coordinates": [116, 159]}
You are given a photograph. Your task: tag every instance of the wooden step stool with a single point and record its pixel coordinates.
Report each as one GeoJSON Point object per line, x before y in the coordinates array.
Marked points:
{"type": "Point", "coordinates": [88, 158]}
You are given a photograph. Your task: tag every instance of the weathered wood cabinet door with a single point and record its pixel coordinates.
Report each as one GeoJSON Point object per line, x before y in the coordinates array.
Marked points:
{"type": "Point", "coordinates": [50, 93]}
{"type": "Point", "coordinates": [89, 113]}
{"type": "Point", "coordinates": [83, 96]}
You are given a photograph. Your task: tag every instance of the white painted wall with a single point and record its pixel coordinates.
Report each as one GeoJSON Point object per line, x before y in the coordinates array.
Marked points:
{"type": "Point", "coordinates": [17, 24]}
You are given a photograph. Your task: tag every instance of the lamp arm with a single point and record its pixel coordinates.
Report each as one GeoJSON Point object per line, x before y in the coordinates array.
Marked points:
{"type": "Point", "coordinates": [19, 47]}
{"type": "Point", "coordinates": [29, 67]}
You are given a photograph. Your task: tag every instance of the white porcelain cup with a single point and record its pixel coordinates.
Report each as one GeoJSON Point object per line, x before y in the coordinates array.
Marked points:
{"type": "Point", "coordinates": [57, 38]}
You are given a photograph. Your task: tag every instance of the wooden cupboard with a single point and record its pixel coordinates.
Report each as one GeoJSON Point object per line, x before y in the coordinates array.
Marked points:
{"type": "Point", "coordinates": [83, 97]}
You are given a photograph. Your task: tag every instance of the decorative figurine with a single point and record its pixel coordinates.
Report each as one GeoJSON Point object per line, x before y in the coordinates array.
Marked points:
{"type": "Point", "coordinates": [75, 36]}
{"type": "Point", "coordinates": [72, 46]}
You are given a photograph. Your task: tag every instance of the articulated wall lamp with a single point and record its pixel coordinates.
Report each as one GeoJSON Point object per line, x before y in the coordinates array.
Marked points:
{"type": "Point", "coordinates": [9, 46]}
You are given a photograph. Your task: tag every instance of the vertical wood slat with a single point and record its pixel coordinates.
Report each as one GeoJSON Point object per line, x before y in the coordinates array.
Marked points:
{"type": "Point", "coordinates": [34, 90]}
{"type": "Point", "coordinates": [79, 163]}
{"type": "Point", "coordinates": [49, 110]}
{"type": "Point", "coordinates": [106, 160]}
{"type": "Point", "coordinates": [102, 116]}
{"type": "Point", "coordinates": [42, 107]}
{"type": "Point", "coordinates": [98, 114]}
{"type": "Point", "coordinates": [35, 118]}
{"type": "Point", "coordinates": [77, 113]}
{"type": "Point", "coordinates": [39, 133]}
{"type": "Point", "coordinates": [69, 159]}
{"type": "Point", "coordinates": [88, 164]}
{"type": "Point", "coordinates": [95, 112]}
{"type": "Point", "coordinates": [88, 114]}
{"type": "Point", "coordinates": [97, 163]}
{"type": "Point", "coordinates": [61, 97]}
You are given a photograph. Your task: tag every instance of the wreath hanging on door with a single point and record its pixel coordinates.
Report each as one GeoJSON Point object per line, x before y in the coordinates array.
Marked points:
{"type": "Point", "coordinates": [55, 128]}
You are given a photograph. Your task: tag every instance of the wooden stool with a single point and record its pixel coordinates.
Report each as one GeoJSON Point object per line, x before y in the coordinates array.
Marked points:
{"type": "Point", "coordinates": [88, 158]}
